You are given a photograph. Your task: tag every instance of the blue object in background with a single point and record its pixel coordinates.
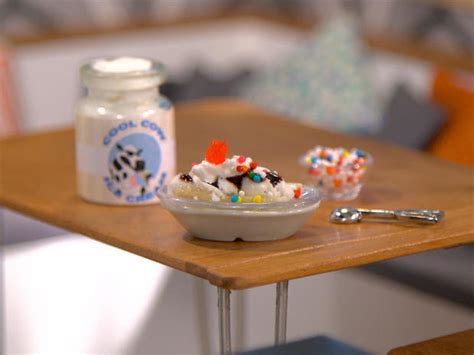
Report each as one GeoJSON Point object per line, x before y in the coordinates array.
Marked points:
{"type": "Point", "coordinates": [318, 345]}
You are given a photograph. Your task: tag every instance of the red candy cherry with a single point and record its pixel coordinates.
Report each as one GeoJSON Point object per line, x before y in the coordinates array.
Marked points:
{"type": "Point", "coordinates": [216, 153]}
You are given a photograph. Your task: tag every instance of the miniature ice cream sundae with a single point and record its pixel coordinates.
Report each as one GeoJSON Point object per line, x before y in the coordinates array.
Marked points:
{"type": "Point", "coordinates": [227, 199]}
{"type": "Point", "coordinates": [237, 180]}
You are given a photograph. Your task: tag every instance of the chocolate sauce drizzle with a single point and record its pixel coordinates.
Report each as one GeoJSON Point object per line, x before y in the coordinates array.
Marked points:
{"type": "Point", "coordinates": [186, 177]}
{"type": "Point", "coordinates": [237, 180]}
{"type": "Point", "coordinates": [274, 178]}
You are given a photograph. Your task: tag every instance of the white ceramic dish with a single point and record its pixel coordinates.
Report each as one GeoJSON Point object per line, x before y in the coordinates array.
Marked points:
{"type": "Point", "coordinates": [252, 222]}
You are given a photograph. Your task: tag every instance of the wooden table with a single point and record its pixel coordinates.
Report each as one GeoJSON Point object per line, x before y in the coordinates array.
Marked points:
{"type": "Point", "coordinates": [38, 179]}
{"type": "Point", "coordinates": [459, 343]}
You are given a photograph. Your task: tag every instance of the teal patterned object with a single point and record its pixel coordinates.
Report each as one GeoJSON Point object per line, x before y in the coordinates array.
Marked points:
{"type": "Point", "coordinates": [325, 82]}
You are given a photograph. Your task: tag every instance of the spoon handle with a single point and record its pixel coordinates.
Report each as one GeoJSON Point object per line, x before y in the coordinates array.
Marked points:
{"type": "Point", "coordinates": [413, 215]}
{"type": "Point", "coordinates": [423, 216]}
{"type": "Point", "coordinates": [374, 213]}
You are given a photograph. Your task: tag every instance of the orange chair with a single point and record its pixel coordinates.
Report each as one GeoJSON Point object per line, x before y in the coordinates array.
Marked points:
{"type": "Point", "coordinates": [455, 93]}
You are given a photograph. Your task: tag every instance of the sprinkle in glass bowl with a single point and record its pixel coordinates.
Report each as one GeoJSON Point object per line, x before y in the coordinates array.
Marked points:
{"type": "Point", "coordinates": [338, 173]}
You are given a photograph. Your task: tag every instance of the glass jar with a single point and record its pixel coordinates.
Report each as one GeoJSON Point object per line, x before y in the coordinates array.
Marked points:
{"type": "Point", "coordinates": [125, 140]}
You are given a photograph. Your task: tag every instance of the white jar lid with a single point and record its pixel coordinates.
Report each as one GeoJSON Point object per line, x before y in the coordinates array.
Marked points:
{"type": "Point", "coordinates": [122, 73]}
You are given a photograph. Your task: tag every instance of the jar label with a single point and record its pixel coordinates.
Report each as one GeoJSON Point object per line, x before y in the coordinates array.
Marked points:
{"type": "Point", "coordinates": [133, 161]}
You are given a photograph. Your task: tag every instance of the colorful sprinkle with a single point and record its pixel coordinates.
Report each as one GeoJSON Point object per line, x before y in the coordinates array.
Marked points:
{"type": "Point", "coordinates": [329, 157]}
{"type": "Point", "coordinates": [216, 152]}
{"type": "Point", "coordinates": [257, 178]}
{"type": "Point", "coordinates": [236, 199]}
{"type": "Point", "coordinates": [257, 199]}
{"type": "Point", "coordinates": [330, 170]}
{"type": "Point", "coordinates": [253, 165]}
{"type": "Point", "coordinates": [241, 159]}
{"type": "Point", "coordinates": [359, 153]}
{"type": "Point", "coordinates": [313, 171]}
{"type": "Point", "coordinates": [242, 168]}
{"type": "Point", "coordinates": [314, 160]}
{"type": "Point", "coordinates": [251, 174]}
{"type": "Point", "coordinates": [350, 179]}
{"type": "Point", "coordinates": [337, 183]}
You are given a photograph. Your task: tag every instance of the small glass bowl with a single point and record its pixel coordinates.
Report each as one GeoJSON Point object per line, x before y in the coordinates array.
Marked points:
{"type": "Point", "coordinates": [225, 221]}
{"type": "Point", "coordinates": [337, 182]}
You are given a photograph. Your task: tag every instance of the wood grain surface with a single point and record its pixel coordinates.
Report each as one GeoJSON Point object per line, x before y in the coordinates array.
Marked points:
{"type": "Point", "coordinates": [455, 344]}
{"type": "Point", "coordinates": [38, 179]}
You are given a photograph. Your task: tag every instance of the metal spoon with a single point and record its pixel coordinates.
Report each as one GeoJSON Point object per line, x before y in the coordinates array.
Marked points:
{"type": "Point", "coordinates": [349, 215]}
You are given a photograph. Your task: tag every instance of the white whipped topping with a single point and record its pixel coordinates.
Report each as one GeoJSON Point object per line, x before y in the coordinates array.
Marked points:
{"type": "Point", "coordinates": [205, 175]}
{"type": "Point", "coordinates": [122, 65]}
{"type": "Point", "coordinates": [209, 172]}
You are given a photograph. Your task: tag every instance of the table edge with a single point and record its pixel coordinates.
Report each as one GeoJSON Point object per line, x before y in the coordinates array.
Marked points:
{"type": "Point", "coordinates": [238, 283]}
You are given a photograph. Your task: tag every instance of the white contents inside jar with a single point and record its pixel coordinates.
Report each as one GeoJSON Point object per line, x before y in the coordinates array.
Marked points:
{"type": "Point", "coordinates": [125, 145]}
{"type": "Point", "coordinates": [122, 65]}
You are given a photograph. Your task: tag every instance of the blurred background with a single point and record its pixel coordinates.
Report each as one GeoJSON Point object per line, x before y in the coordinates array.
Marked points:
{"type": "Point", "coordinates": [397, 70]}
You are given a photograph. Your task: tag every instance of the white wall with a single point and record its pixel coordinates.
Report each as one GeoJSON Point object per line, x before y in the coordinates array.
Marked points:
{"type": "Point", "coordinates": [47, 78]}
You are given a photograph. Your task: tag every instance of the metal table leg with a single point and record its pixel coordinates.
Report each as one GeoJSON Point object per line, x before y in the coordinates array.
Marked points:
{"type": "Point", "coordinates": [223, 305]}
{"type": "Point", "coordinates": [281, 312]}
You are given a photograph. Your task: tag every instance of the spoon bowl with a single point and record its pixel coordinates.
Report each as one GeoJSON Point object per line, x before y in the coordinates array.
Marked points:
{"type": "Point", "coordinates": [345, 215]}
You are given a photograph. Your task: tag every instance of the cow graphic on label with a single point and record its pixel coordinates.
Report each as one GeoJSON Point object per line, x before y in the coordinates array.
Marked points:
{"type": "Point", "coordinates": [133, 164]}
